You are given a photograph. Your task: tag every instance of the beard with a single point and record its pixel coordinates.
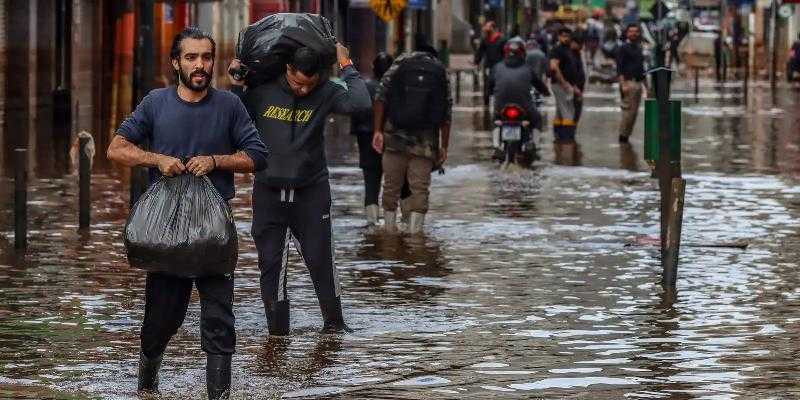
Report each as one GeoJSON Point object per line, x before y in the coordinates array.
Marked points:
{"type": "Point", "coordinates": [186, 78]}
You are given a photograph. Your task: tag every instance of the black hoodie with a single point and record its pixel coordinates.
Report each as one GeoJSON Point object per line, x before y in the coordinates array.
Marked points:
{"type": "Point", "coordinates": [293, 127]}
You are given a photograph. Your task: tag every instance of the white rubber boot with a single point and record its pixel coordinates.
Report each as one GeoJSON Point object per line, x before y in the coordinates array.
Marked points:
{"type": "Point", "coordinates": [415, 222]}
{"type": "Point", "coordinates": [372, 211]}
{"type": "Point", "coordinates": [390, 221]}
{"type": "Point", "coordinates": [404, 211]}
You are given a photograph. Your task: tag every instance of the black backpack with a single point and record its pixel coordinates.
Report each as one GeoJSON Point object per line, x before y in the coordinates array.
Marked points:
{"type": "Point", "coordinates": [417, 97]}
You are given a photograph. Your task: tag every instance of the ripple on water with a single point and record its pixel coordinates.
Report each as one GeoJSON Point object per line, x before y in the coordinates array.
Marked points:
{"type": "Point", "coordinates": [523, 283]}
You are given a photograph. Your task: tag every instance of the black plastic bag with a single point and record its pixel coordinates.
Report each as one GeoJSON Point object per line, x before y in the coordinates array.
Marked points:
{"type": "Point", "coordinates": [265, 47]}
{"type": "Point", "coordinates": [182, 226]}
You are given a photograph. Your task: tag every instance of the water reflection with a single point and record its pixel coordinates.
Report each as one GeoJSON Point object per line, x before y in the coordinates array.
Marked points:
{"type": "Point", "coordinates": [521, 288]}
{"type": "Point", "coordinates": [628, 159]}
{"type": "Point", "coordinates": [567, 152]}
{"type": "Point", "coordinates": [279, 358]}
{"type": "Point", "coordinates": [401, 265]}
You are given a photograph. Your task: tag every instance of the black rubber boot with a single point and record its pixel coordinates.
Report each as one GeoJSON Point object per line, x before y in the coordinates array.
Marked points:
{"type": "Point", "coordinates": [218, 376]}
{"type": "Point", "coordinates": [148, 373]}
{"type": "Point", "coordinates": [333, 321]}
{"type": "Point", "coordinates": [277, 317]}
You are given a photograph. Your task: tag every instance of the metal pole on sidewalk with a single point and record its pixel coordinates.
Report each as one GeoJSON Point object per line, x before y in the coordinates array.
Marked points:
{"type": "Point", "coordinates": [773, 44]}
{"type": "Point", "coordinates": [20, 198]}
{"type": "Point", "coordinates": [458, 86]}
{"type": "Point", "coordinates": [669, 172]}
{"type": "Point", "coordinates": [663, 166]}
{"type": "Point", "coordinates": [673, 234]}
{"type": "Point", "coordinates": [62, 95]}
{"type": "Point", "coordinates": [85, 182]}
{"type": "Point", "coordinates": [143, 79]}
{"type": "Point", "coordinates": [746, 77]}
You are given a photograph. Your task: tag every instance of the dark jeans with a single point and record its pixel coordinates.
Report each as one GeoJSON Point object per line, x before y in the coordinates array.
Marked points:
{"type": "Point", "coordinates": [578, 108]}
{"type": "Point", "coordinates": [371, 164]}
{"type": "Point", "coordinates": [166, 300]}
{"type": "Point", "coordinates": [302, 215]}
{"type": "Point", "coordinates": [372, 185]}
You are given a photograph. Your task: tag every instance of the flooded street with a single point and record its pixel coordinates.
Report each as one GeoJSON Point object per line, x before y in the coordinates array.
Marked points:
{"type": "Point", "coordinates": [527, 283]}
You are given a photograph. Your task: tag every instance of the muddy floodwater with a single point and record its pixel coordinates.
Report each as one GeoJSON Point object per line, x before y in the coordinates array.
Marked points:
{"type": "Point", "coordinates": [532, 283]}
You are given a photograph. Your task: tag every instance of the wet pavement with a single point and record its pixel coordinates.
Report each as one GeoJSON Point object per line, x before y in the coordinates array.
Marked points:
{"type": "Point", "coordinates": [524, 286]}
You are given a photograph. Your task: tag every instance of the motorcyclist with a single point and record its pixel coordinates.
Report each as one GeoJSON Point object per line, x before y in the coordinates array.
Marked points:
{"type": "Point", "coordinates": [511, 82]}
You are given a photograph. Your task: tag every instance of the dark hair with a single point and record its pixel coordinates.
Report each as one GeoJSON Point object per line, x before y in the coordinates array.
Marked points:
{"type": "Point", "coordinates": [629, 26]}
{"type": "Point", "coordinates": [307, 61]}
{"type": "Point", "coordinates": [566, 30]}
{"type": "Point", "coordinates": [381, 64]}
{"type": "Point", "coordinates": [190, 33]}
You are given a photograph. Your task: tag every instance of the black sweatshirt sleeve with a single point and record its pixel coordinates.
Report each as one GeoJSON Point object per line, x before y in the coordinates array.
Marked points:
{"type": "Point", "coordinates": [245, 136]}
{"type": "Point", "coordinates": [356, 97]}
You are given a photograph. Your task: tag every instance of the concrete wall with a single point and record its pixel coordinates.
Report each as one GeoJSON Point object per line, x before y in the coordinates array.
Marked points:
{"type": "Point", "coordinates": [3, 25]}
{"type": "Point", "coordinates": [223, 20]}
{"type": "Point", "coordinates": [42, 86]}
{"type": "Point", "coordinates": [17, 90]}
{"type": "Point", "coordinates": [794, 25]}
{"type": "Point", "coordinates": [84, 30]}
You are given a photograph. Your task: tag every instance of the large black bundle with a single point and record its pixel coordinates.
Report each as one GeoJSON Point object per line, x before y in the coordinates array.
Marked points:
{"type": "Point", "coordinates": [181, 226]}
{"type": "Point", "coordinates": [265, 47]}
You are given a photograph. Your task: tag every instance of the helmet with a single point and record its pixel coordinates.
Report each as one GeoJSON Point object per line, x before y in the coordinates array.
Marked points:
{"type": "Point", "coordinates": [514, 48]}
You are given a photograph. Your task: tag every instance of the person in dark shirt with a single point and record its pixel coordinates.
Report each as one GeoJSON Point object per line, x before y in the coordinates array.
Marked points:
{"type": "Point", "coordinates": [564, 86]}
{"type": "Point", "coordinates": [576, 46]}
{"type": "Point", "coordinates": [720, 59]}
{"type": "Point", "coordinates": [362, 127]}
{"type": "Point", "coordinates": [793, 64]}
{"type": "Point", "coordinates": [292, 196]}
{"type": "Point", "coordinates": [630, 68]}
{"type": "Point", "coordinates": [490, 52]}
{"type": "Point", "coordinates": [213, 131]}
{"type": "Point", "coordinates": [513, 79]}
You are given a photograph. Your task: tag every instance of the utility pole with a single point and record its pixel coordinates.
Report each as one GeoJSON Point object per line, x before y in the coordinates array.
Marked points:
{"type": "Point", "coordinates": [773, 45]}
{"type": "Point", "coordinates": [62, 95]}
{"type": "Point", "coordinates": [668, 166]}
{"type": "Point", "coordinates": [143, 76]}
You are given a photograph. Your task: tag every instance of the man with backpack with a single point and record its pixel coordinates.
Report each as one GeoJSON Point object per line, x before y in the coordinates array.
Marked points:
{"type": "Point", "coordinates": [415, 96]}
{"type": "Point", "coordinates": [292, 196]}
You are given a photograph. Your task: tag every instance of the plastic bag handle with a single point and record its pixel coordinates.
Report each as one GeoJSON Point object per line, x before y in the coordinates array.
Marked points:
{"type": "Point", "coordinates": [185, 160]}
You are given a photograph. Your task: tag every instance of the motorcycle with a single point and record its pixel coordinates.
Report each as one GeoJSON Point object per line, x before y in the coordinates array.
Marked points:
{"type": "Point", "coordinates": [513, 137]}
